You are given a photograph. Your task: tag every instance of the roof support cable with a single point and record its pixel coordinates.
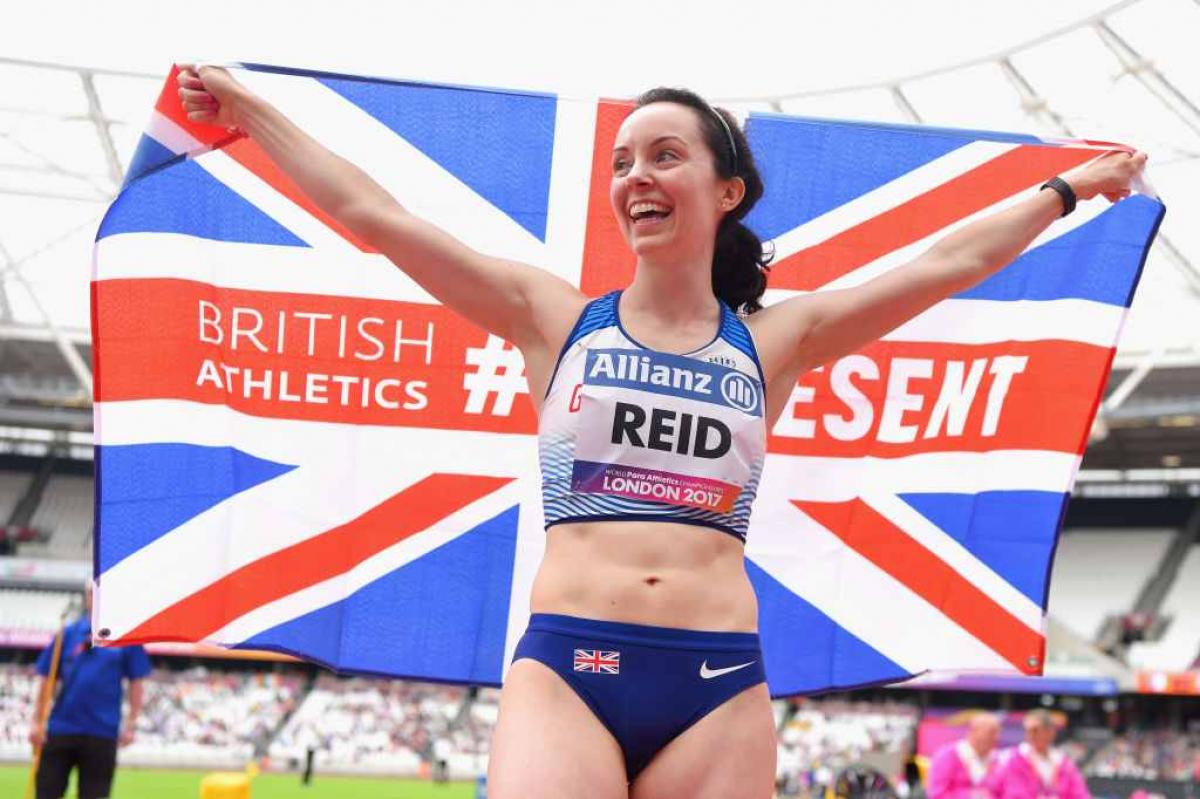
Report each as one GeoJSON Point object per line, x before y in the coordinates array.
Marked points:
{"type": "Point", "coordinates": [96, 114]}
{"type": "Point", "coordinates": [1040, 109]}
{"type": "Point", "coordinates": [71, 355]}
{"type": "Point", "coordinates": [904, 105]}
{"type": "Point", "coordinates": [1143, 69]}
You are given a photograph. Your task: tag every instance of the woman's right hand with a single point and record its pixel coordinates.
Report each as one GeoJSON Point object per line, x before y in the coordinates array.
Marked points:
{"type": "Point", "coordinates": [210, 95]}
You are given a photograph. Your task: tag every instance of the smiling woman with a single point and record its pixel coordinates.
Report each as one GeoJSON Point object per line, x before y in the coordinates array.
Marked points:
{"type": "Point", "coordinates": [739, 263]}
{"type": "Point", "coordinates": [646, 679]}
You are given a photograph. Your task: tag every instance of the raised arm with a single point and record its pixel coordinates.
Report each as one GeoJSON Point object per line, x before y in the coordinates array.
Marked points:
{"type": "Point", "coordinates": [805, 332]}
{"type": "Point", "coordinates": [521, 303]}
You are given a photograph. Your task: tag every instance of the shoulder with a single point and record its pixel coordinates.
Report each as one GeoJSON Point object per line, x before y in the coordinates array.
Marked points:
{"type": "Point", "coordinates": [137, 660]}
{"type": "Point", "coordinates": [945, 753]}
{"type": "Point", "coordinates": [556, 318]}
{"type": "Point", "coordinates": [554, 310]}
{"type": "Point", "coordinates": [76, 632]}
{"type": "Point", "coordinates": [1007, 758]}
{"type": "Point", "coordinates": [779, 331]}
{"type": "Point", "coordinates": [779, 319]}
{"type": "Point", "coordinates": [1068, 764]}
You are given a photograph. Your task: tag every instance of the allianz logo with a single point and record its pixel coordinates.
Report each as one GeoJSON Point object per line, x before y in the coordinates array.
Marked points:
{"type": "Point", "coordinates": [736, 388]}
{"type": "Point", "coordinates": [641, 369]}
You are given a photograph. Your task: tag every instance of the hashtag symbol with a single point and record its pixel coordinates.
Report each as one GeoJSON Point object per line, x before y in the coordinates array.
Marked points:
{"type": "Point", "coordinates": [500, 371]}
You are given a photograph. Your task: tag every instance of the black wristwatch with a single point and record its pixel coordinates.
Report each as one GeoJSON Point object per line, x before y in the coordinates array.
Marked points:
{"type": "Point", "coordinates": [1064, 190]}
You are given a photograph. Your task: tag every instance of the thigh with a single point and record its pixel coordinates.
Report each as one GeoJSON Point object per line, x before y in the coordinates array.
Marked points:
{"type": "Point", "coordinates": [548, 743]}
{"type": "Point", "coordinates": [54, 767]}
{"type": "Point", "coordinates": [97, 762]}
{"type": "Point", "coordinates": [729, 752]}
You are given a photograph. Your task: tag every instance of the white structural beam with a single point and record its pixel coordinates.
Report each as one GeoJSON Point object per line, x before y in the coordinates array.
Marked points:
{"type": "Point", "coordinates": [96, 113]}
{"type": "Point", "coordinates": [65, 347]}
{"type": "Point", "coordinates": [906, 107]}
{"type": "Point", "coordinates": [1143, 69]}
{"type": "Point", "coordinates": [990, 58]}
{"type": "Point", "coordinates": [1039, 108]}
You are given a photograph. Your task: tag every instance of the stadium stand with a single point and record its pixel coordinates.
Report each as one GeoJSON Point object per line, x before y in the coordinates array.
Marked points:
{"type": "Point", "coordinates": [223, 719]}
{"type": "Point", "coordinates": [24, 611]}
{"type": "Point", "coordinates": [66, 513]}
{"type": "Point", "coordinates": [1179, 646]}
{"type": "Point", "coordinates": [1149, 755]}
{"type": "Point", "coordinates": [18, 687]}
{"type": "Point", "coordinates": [198, 718]}
{"type": "Point", "coordinates": [212, 718]}
{"type": "Point", "coordinates": [473, 736]}
{"type": "Point", "coordinates": [822, 737]}
{"type": "Point", "coordinates": [361, 725]}
{"type": "Point", "coordinates": [1126, 558]}
{"type": "Point", "coordinates": [12, 487]}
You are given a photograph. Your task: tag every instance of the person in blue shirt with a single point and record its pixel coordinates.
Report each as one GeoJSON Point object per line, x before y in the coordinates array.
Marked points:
{"type": "Point", "coordinates": [85, 728]}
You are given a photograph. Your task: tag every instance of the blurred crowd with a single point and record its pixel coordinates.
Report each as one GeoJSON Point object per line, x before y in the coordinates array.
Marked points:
{"type": "Point", "coordinates": [197, 716]}
{"type": "Point", "coordinates": [370, 724]}
{"type": "Point", "coordinates": [214, 717]}
{"type": "Point", "coordinates": [1154, 755]}
{"type": "Point", "coordinates": [818, 739]}
{"type": "Point", "coordinates": [215, 710]}
{"type": "Point", "coordinates": [18, 691]}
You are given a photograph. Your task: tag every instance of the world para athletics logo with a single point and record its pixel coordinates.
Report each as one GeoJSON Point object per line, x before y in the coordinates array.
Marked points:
{"type": "Point", "coordinates": [740, 391]}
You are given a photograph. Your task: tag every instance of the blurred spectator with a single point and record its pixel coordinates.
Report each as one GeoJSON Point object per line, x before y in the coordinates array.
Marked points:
{"type": "Point", "coordinates": [970, 768]}
{"type": "Point", "coordinates": [1034, 769]}
{"type": "Point", "coordinates": [84, 726]}
{"type": "Point", "coordinates": [1134, 627]}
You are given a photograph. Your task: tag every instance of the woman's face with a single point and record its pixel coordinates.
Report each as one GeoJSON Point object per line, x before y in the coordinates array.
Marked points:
{"type": "Point", "coordinates": [665, 192]}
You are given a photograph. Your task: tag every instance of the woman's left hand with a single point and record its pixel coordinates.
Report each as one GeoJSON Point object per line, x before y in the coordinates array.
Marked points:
{"type": "Point", "coordinates": [1111, 175]}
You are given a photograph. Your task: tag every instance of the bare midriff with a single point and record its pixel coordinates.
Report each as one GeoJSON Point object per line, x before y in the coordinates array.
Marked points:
{"type": "Point", "coordinates": [653, 573]}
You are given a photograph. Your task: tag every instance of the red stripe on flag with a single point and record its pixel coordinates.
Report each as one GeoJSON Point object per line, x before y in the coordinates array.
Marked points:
{"type": "Point", "coordinates": [887, 546]}
{"type": "Point", "coordinates": [924, 215]}
{"type": "Point", "coordinates": [320, 558]}
{"type": "Point", "coordinates": [247, 153]}
{"type": "Point", "coordinates": [310, 357]}
{"type": "Point", "coordinates": [893, 399]}
{"type": "Point", "coordinates": [608, 263]}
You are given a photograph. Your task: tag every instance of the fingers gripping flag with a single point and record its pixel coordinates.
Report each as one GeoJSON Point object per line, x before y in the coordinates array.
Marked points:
{"type": "Point", "coordinates": [300, 450]}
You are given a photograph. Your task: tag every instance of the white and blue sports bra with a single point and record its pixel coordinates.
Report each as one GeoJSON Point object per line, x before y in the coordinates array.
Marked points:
{"type": "Point", "coordinates": [630, 433]}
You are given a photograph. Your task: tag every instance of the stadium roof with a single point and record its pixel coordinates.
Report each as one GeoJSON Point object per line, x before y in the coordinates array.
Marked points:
{"type": "Point", "coordinates": [71, 111]}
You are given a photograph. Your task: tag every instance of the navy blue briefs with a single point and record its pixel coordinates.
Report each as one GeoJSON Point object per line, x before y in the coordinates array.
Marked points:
{"type": "Point", "coordinates": [647, 685]}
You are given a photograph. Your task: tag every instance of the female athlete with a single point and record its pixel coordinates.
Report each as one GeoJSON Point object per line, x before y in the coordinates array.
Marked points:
{"type": "Point", "coordinates": [645, 680]}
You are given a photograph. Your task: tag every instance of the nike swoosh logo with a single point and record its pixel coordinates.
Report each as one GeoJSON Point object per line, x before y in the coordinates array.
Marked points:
{"type": "Point", "coordinates": [707, 674]}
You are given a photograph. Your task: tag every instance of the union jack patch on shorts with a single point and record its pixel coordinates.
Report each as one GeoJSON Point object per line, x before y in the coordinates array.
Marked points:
{"type": "Point", "coordinates": [597, 661]}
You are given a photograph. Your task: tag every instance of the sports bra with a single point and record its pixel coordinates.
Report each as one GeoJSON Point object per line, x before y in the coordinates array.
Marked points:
{"type": "Point", "coordinates": [631, 433]}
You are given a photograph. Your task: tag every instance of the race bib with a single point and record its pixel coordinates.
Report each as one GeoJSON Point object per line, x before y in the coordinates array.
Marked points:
{"type": "Point", "coordinates": [666, 428]}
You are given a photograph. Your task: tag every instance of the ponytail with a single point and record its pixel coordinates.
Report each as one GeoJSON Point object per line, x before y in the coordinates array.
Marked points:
{"type": "Point", "coordinates": [740, 267]}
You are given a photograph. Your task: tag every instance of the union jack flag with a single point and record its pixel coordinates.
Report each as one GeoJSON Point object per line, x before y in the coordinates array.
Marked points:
{"type": "Point", "coordinates": [597, 661]}
{"type": "Point", "coordinates": [299, 450]}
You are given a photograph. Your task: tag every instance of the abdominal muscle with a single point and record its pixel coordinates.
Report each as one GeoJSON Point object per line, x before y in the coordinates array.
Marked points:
{"type": "Point", "coordinates": [653, 573]}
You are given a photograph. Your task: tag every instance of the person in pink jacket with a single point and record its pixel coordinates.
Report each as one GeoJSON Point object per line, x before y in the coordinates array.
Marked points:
{"type": "Point", "coordinates": [1036, 770]}
{"type": "Point", "coordinates": [968, 769]}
